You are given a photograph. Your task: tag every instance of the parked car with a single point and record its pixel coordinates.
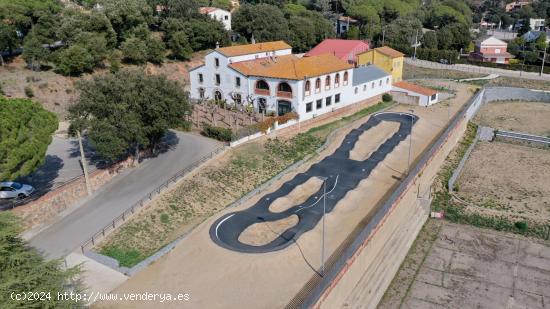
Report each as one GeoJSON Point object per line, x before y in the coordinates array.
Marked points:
{"type": "Point", "coordinates": [443, 61]}
{"type": "Point", "coordinates": [14, 190]}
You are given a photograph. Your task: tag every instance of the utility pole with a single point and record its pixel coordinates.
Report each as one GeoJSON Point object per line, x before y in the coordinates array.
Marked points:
{"type": "Point", "coordinates": [410, 143]}
{"type": "Point", "coordinates": [543, 59]}
{"type": "Point", "coordinates": [523, 62]}
{"type": "Point", "coordinates": [323, 232]}
{"type": "Point", "coordinates": [415, 45]}
{"type": "Point", "coordinates": [84, 164]}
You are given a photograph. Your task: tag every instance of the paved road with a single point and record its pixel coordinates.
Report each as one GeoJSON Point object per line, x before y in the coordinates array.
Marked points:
{"type": "Point", "coordinates": [476, 69]}
{"type": "Point", "coordinates": [62, 164]}
{"type": "Point", "coordinates": [118, 195]}
{"type": "Point", "coordinates": [342, 175]}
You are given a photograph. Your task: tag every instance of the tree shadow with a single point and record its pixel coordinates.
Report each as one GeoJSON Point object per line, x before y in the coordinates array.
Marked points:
{"type": "Point", "coordinates": [169, 142]}
{"type": "Point", "coordinates": [42, 179]}
{"type": "Point", "coordinates": [94, 159]}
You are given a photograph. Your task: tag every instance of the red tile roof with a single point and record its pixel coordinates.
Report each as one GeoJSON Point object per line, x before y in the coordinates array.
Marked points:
{"type": "Point", "coordinates": [239, 50]}
{"type": "Point", "coordinates": [415, 88]}
{"type": "Point", "coordinates": [343, 49]}
{"type": "Point", "coordinates": [291, 67]}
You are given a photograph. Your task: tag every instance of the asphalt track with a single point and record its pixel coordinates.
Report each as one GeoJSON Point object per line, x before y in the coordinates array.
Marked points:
{"type": "Point", "coordinates": [342, 175]}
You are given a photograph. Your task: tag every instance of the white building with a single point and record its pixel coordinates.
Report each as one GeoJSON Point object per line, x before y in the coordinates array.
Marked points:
{"type": "Point", "coordinates": [407, 93]}
{"type": "Point", "coordinates": [273, 79]}
{"type": "Point", "coordinates": [537, 24]}
{"type": "Point", "coordinates": [218, 14]}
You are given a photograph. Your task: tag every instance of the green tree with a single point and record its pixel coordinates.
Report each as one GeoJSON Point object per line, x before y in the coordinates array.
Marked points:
{"type": "Point", "coordinates": [134, 50]}
{"type": "Point", "coordinates": [429, 40]}
{"type": "Point", "coordinates": [34, 52]}
{"type": "Point", "coordinates": [23, 269]}
{"type": "Point", "coordinates": [125, 15]}
{"type": "Point", "coordinates": [74, 60]}
{"type": "Point", "coordinates": [156, 50]}
{"type": "Point", "coordinates": [25, 132]}
{"type": "Point", "coordinates": [179, 46]}
{"type": "Point", "coordinates": [302, 33]}
{"type": "Point", "coordinates": [8, 40]}
{"type": "Point", "coordinates": [127, 111]}
{"type": "Point", "coordinates": [404, 30]}
{"type": "Point", "coordinates": [263, 21]}
{"type": "Point", "coordinates": [204, 33]}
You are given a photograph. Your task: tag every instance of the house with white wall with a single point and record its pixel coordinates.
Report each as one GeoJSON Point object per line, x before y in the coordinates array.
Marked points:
{"type": "Point", "coordinates": [408, 93]}
{"type": "Point", "coordinates": [270, 77]}
{"type": "Point", "coordinates": [218, 14]}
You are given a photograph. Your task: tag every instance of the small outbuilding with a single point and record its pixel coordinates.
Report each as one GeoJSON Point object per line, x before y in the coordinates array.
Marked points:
{"type": "Point", "coordinates": [407, 93]}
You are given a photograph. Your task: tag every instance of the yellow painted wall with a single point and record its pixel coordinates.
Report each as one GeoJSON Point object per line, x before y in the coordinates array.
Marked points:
{"type": "Point", "coordinates": [393, 66]}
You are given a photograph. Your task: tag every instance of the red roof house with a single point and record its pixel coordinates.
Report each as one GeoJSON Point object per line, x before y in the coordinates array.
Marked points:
{"type": "Point", "coordinates": [344, 49]}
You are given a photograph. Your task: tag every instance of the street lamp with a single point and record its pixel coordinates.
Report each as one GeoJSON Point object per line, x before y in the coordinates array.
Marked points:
{"type": "Point", "coordinates": [324, 179]}
{"type": "Point", "coordinates": [410, 142]}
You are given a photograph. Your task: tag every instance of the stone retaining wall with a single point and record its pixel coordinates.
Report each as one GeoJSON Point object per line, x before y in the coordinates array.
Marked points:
{"type": "Point", "coordinates": [36, 214]}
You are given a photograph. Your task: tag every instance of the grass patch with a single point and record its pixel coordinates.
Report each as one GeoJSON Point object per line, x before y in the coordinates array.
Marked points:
{"type": "Point", "coordinates": [125, 257]}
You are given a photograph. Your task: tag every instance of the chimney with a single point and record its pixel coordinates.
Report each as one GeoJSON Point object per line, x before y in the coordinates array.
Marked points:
{"type": "Point", "coordinates": [252, 40]}
{"type": "Point", "coordinates": [217, 44]}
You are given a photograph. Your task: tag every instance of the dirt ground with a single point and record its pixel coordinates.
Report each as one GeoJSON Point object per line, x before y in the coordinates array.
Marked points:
{"type": "Point", "coordinates": [57, 92]}
{"type": "Point", "coordinates": [270, 280]}
{"type": "Point", "coordinates": [525, 117]}
{"type": "Point", "coordinates": [460, 266]}
{"type": "Point", "coordinates": [507, 179]}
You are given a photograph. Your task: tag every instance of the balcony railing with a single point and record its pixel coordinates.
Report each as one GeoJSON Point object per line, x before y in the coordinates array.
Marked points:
{"type": "Point", "coordinates": [284, 94]}
{"type": "Point", "coordinates": [261, 91]}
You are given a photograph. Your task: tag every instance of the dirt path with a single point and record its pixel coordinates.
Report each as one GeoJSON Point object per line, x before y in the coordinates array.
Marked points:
{"type": "Point", "coordinates": [508, 180]}
{"type": "Point", "coordinates": [269, 280]}
{"type": "Point", "coordinates": [526, 117]}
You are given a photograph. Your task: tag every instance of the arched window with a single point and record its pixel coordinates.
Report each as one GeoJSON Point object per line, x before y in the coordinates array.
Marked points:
{"type": "Point", "coordinates": [387, 80]}
{"type": "Point", "coordinates": [201, 93]}
{"type": "Point", "coordinates": [327, 82]}
{"type": "Point", "coordinates": [262, 87]}
{"type": "Point", "coordinates": [345, 78]}
{"type": "Point", "coordinates": [337, 80]}
{"type": "Point", "coordinates": [317, 84]}
{"type": "Point", "coordinates": [217, 95]}
{"type": "Point", "coordinates": [307, 87]}
{"type": "Point", "coordinates": [262, 84]}
{"type": "Point", "coordinates": [284, 90]}
{"type": "Point", "coordinates": [284, 87]}
{"type": "Point", "coordinates": [356, 90]}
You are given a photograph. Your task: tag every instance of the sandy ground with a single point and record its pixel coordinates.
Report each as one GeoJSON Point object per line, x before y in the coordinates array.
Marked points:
{"type": "Point", "coordinates": [508, 179]}
{"type": "Point", "coordinates": [468, 267]}
{"type": "Point", "coordinates": [370, 140]}
{"type": "Point", "coordinates": [260, 234]}
{"type": "Point", "coordinates": [526, 117]}
{"type": "Point", "coordinates": [270, 280]}
{"type": "Point", "coordinates": [297, 196]}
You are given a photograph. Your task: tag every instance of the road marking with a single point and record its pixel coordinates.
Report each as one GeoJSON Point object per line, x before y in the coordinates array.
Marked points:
{"type": "Point", "coordinates": [333, 187]}
{"type": "Point", "coordinates": [220, 223]}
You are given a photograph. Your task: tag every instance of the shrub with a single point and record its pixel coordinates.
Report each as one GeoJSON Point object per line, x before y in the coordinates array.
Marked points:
{"type": "Point", "coordinates": [184, 126]}
{"type": "Point", "coordinates": [28, 92]}
{"type": "Point", "coordinates": [386, 97]}
{"type": "Point", "coordinates": [165, 218]}
{"type": "Point", "coordinates": [219, 133]}
{"type": "Point", "coordinates": [521, 226]}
